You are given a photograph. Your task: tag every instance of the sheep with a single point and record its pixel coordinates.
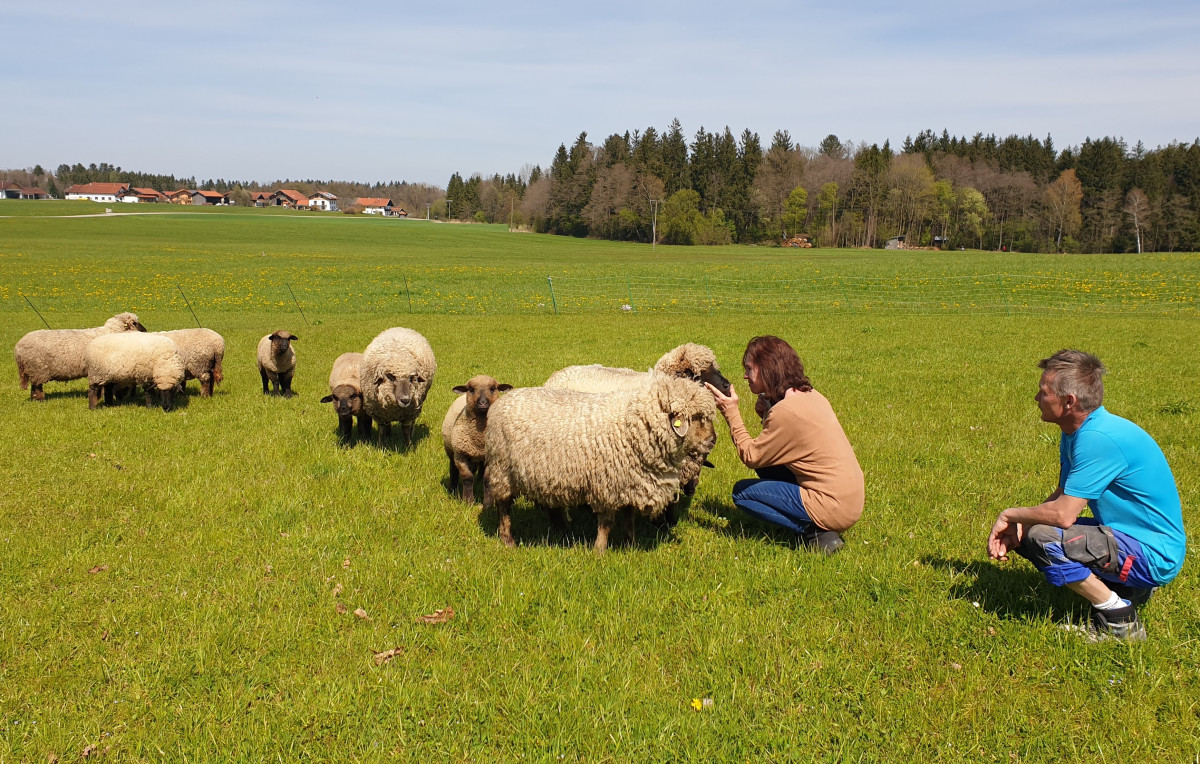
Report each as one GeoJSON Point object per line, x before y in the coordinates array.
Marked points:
{"type": "Point", "coordinates": [688, 361]}
{"type": "Point", "coordinates": [346, 395]}
{"type": "Point", "coordinates": [203, 352]}
{"type": "Point", "coordinates": [397, 371]}
{"type": "Point", "coordinates": [620, 451]}
{"type": "Point", "coordinates": [463, 429]}
{"type": "Point", "coordinates": [58, 355]}
{"type": "Point", "coordinates": [277, 361]}
{"type": "Point", "coordinates": [118, 360]}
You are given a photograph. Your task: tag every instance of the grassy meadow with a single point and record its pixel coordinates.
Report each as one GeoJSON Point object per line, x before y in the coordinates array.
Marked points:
{"type": "Point", "coordinates": [183, 585]}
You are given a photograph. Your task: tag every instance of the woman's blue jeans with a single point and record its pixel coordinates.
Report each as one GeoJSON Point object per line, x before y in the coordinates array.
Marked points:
{"type": "Point", "coordinates": [774, 497]}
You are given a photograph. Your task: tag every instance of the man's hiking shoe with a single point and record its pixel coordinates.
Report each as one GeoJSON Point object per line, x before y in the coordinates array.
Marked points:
{"type": "Point", "coordinates": [818, 540]}
{"type": "Point", "coordinates": [1136, 595]}
{"type": "Point", "coordinates": [1119, 623]}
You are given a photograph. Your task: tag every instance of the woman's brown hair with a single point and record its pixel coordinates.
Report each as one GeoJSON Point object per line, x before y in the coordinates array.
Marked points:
{"type": "Point", "coordinates": [779, 367]}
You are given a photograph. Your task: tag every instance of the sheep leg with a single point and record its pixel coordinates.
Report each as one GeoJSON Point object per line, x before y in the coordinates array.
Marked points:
{"type": "Point", "coordinates": [467, 478]}
{"type": "Point", "coordinates": [603, 528]}
{"type": "Point", "coordinates": [487, 489]}
{"type": "Point", "coordinates": [93, 396]}
{"type": "Point", "coordinates": [149, 398]}
{"type": "Point", "coordinates": [453, 474]}
{"type": "Point", "coordinates": [505, 530]}
{"type": "Point", "coordinates": [630, 525]}
{"type": "Point", "coordinates": [345, 426]}
{"type": "Point", "coordinates": [407, 429]}
{"type": "Point", "coordinates": [262, 373]}
{"type": "Point", "coordinates": [558, 520]}
{"type": "Point", "coordinates": [385, 431]}
{"type": "Point", "coordinates": [206, 387]}
{"type": "Point", "coordinates": [364, 426]}
{"type": "Point", "coordinates": [36, 393]}
{"type": "Point", "coordinates": [108, 394]}
{"type": "Point", "coordinates": [285, 384]}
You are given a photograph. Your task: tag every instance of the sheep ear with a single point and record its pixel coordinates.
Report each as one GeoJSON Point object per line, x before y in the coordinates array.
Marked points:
{"type": "Point", "coordinates": [294, 338]}
{"type": "Point", "coordinates": [504, 388]}
{"type": "Point", "coordinates": [460, 389]}
{"type": "Point", "coordinates": [327, 399]}
{"type": "Point", "coordinates": [273, 336]}
{"type": "Point", "coordinates": [680, 425]}
{"type": "Point", "coordinates": [707, 463]}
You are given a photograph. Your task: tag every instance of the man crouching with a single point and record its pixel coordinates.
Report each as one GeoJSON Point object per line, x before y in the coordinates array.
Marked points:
{"type": "Point", "coordinates": [1134, 540]}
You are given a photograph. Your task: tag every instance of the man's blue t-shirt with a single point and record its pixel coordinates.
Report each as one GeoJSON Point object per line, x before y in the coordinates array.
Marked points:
{"type": "Point", "coordinates": [1122, 473]}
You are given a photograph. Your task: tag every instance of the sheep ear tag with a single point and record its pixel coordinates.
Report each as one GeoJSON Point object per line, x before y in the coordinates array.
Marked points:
{"type": "Point", "coordinates": [680, 426]}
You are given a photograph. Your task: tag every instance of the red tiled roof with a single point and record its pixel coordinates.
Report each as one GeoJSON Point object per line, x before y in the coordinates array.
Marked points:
{"type": "Point", "coordinates": [373, 201]}
{"type": "Point", "coordinates": [212, 194]}
{"type": "Point", "coordinates": [98, 188]}
{"type": "Point", "coordinates": [294, 196]}
{"type": "Point", "coordinates": [262, 195]}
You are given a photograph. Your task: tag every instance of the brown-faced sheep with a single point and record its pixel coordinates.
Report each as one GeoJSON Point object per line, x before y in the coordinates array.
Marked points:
{"type": "Point", "coordinates": [612, 451]}
{"type": "Point", "coordinates": [688, 361]}
{"type": "Point", "coordinates": [59, 355]}
{"type": "Point", "coordinates": [346, 395]}
{"type": "Point", "coordinates": [130, 359]}
{"type": "Point", "coordinates": [463, 430]}
{"type": "Point", "coordinates": [277, 361]}
{"type": "Point", "coordinates": [203, 352]}
{"type": "Point", "coordinates": [397, 370]}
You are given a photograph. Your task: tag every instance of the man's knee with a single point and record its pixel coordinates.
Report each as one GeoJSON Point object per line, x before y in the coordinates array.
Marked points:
{"type": "Point", "coordinates": [1042, 545]}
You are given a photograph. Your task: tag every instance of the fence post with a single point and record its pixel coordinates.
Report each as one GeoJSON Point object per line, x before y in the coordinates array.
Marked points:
{"type": "Point", "coordinates": [553, 301]}
{"type": "Point", "coordinates": [35, 310]}
{"type": "Point", "coordinates": [188, 302]}
{"type": "Point", "coordinates": [293, 294]}
{"type": "Point", "coordinates": [1000, 281]}
{"type": "Point", "coordinates": [407, 292]}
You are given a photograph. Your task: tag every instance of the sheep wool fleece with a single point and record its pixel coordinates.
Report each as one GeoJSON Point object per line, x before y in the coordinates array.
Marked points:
{"type": "Point", "coordinates": [135, 358]}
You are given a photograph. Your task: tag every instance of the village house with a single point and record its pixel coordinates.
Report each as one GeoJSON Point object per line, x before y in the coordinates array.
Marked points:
{"type": "Point", "coordinates": [374, 205]}
{"type": "Point", "coordinates": [209, 197]}
{"type": "Point", "coordinates": [286, 197]}
{"type": "Point", "coordinates": [323, 200]}
{"type": "Point", "coordinates": [13, 191]}
{"type": "Point", "coordinates": [143, 195]}
{"type": "Point", "coordinates": [182, 196]}
{"type": "Point", "coordinates": [97, 192]}
{"type": "Point", "coordinates": [262, 198]}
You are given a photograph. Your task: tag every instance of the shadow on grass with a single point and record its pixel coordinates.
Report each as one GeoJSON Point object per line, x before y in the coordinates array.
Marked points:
{"type": "Point", "coordinates": [1007, 590]}
{"type": "Point", "coordinates": [721, 516]}
{"type": "Point", "coordinates": [532, 524]}
{"type": "Point", "coordinates": [395, 443]}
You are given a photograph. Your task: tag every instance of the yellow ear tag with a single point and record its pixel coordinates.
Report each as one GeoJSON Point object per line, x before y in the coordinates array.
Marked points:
{"type": "Point", "coordinates": [678, 423]}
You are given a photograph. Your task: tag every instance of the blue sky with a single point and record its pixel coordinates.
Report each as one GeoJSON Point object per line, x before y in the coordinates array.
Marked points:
{"type": "Point", "coordinates": [260, 91]}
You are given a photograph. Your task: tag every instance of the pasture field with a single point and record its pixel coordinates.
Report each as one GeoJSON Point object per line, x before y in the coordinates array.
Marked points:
{"type": "Point", "coordinates": [170, 581]}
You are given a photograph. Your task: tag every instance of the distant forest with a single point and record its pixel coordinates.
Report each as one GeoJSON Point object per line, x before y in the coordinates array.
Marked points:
{"type": "Point", "coordinates": [1016, 193]}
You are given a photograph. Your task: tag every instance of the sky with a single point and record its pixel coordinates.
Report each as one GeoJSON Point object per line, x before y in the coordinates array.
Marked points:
{"type": "Point", "coordinates": [390, 92]}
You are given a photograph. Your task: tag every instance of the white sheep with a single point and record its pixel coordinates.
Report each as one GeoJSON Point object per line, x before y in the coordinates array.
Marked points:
{"type": "Point", "coordinates": [397, 370]}
{"type": "Point", "coordinates": [123, 360]}
{"type": "Point", "coordinates": [59, 355]}
{"type": "Point", "coordinates": [346, 395]}
{"type": "Point", "coordinates": [687, 361]}
{"type": "Point", "coordinates": [463, 429]}
{"type": "Point", "coordinates": [277, 361]}
{"type": "Point", "coordinates": [203, 352]}
{"type": "Point", "coordinates": [612, 451]}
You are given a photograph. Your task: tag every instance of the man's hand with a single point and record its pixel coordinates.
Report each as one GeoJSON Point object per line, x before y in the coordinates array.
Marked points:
{"type": "Point", "coordinates": [1005, 537]}
{"type": "Point", "coordinates": [724, 402]}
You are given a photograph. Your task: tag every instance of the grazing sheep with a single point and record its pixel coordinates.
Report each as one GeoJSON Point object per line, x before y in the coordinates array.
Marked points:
{"type": "Point", "coordinates": [346, 395]}
{"type": "Point", "coordinates": [463, 429]}
{"type": "Point", "coordinates": [203, 352]}
{"type": "Point", "coordinates": [128, 360]}
{"type": "Point", "coordinates": [277, 361]}
{"type": "Point", "coordinates": [612, 451]}
{"type": "Point", "coordinates": [397, 370]}
{"type": "Point", "coordinates": [688, 361]}
{"type": "Point", "coordinates": [58, 355]}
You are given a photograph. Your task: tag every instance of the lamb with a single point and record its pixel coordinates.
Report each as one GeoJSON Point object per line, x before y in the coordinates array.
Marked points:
{"type": "Point", "coordinates": [688, 361]}
{"type": "Point", "coordinates": [463, 429]}
{"type": "Point", "coordinates": [124, 359]}
{"type": "Point", "coordinates": [620, 451]}
{"type": "Point", "coordinates": [346, 395]}
{"type": "Point", "coordinates": [58, 355]}
{"type": "Point", "coordinates": [397, 371]}
{"type": "Point", "coordinates": [277, 361]}
{"type": "Point", "coordinates": [203, 352]}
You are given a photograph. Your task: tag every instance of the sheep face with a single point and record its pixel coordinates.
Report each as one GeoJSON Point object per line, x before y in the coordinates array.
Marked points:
{"type": "Point", "coordinates": [125, 322]}
{"type": "Point", "coordinates": [404, 388]}
{"type": "Point", "coordinates": [481, 391]}
{"type": "Point", "coordinates": [347, 400]}
{"type": "Point", "coordinates": [713, 376]}
{"type": "Point", "coordinates": [281, 341]}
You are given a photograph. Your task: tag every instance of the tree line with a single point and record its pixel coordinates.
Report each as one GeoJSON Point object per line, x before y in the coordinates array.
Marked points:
{"type": "Point", "coordinates": [1016, 193]}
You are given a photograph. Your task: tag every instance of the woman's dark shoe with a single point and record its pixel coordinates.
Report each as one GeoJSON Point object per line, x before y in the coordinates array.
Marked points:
{"type": "Point", "coordinates": [819, 540]}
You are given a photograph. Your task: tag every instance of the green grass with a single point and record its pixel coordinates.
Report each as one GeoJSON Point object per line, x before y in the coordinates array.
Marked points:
{"type": "Point", "coordinates": [223, 528]}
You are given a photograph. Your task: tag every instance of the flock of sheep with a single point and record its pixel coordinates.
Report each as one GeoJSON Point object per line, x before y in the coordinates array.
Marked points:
{"type": "Point", "coordinates": [619, 441]}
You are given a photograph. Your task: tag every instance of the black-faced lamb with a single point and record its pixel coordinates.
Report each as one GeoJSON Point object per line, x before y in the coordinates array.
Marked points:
{"type": "Point", "coordinates": [615, 452]}
{"type": "Point", "coordinates": [277, 361]}
{"type": "Point", "coordinates": [131, 359]}
{"type": "Point", "coordinates": [463, 429]}
{"type": "Point", "coordinates": [346, 395]}
{"type": "Point", "coordinates": [397, 370]}
{"type": "Point", "coordinates": [203, 352]}
{"type": "Point", "coordinates": [59, 355]}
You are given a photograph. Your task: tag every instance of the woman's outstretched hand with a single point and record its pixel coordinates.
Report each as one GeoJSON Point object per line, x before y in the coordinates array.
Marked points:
{"type": "Point", "coordinates": [724, 402]}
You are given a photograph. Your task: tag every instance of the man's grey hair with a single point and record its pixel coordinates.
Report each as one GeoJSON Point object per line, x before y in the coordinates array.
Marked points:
{"type": "Point", "coordinates": [1074, 372]}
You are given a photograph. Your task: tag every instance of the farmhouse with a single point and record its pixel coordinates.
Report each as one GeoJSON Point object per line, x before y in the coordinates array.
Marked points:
{"type": "Point", "coordinates": [286, 197]}
{"type": "Point", "coordinates": [323, 200]}
{"type": "Point", "coordinates": [182, 196]}
{"type": "Point", "coordinates": [143, 195]}
{"type": "Point", "coordinates": [373, 205]}
{"type": "Point", "coordinates": [209, 197]}
{"type": "Point", "coordinates": [97, 192]}
{"type": "Point", "coordinates": [262, 198]}
{"type": "Point", "coordinates": [13, 191]}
